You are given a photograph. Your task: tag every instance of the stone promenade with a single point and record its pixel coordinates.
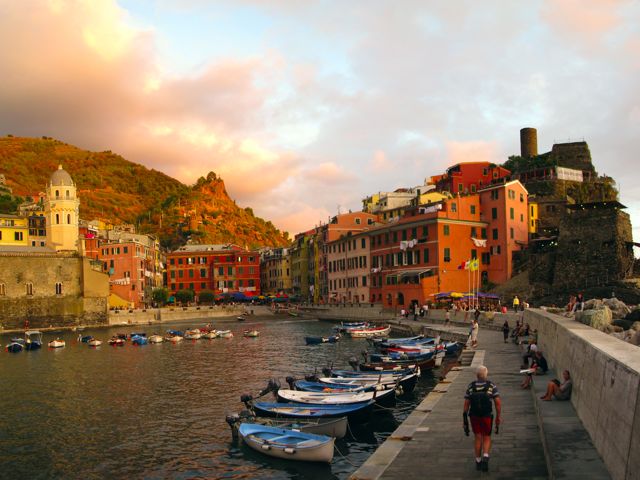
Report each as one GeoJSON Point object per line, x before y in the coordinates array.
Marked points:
{"type": "Point", "coordinates": [431, 442]}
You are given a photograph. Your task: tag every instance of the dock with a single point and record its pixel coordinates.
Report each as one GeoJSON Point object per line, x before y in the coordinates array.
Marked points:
{"type": "Point", "coordinates": [431, 441]}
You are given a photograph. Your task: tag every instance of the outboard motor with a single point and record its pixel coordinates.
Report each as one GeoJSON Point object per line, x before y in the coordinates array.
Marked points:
{"type": "Point", "coordinates": [364, 354]}
{"type": "Point", "coordinates": [232, 421]}
{"type": "Point", "coordinates": [353, 361]}
{"type": "Point", "coordinates": [314, 378]}
{"type": "Point", "coordinates": [326, 371]}
{"type": "Point", "coordinates": [246, 399]}
{"type": "Point", "coordinates": [292, 382]}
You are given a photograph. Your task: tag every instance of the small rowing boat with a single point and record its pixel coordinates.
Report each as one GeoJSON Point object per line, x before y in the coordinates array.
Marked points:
{"type": "Point", "coordinates": [251, 333]}
{"type": "Point", "coordinates": [57, 343]}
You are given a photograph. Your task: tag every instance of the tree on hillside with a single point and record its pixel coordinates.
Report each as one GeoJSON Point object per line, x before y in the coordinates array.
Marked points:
{"type": "Point", "coordinates": [185, 296]}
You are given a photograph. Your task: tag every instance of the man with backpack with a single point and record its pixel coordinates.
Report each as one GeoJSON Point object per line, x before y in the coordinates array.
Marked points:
{"type": "Point", "coordinates": [477, 407]}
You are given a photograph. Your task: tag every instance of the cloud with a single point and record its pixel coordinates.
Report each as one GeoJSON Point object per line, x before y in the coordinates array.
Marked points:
{"type": "Point", "coordinates": [458, 152]}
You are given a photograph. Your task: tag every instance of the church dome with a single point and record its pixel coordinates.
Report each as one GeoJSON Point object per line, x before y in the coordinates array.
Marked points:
{"type": "Point", "coordinates": [61, 178]}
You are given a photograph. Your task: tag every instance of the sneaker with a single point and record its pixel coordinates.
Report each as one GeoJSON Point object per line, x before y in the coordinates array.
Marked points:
{"type": "Point", "coordinates": [485, 464]}
{"type": "Point", "coordinates": [479, 466]}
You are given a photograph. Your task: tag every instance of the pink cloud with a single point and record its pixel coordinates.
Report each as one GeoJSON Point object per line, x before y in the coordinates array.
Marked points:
{"type": "Point", "coordinates": [458, 152]}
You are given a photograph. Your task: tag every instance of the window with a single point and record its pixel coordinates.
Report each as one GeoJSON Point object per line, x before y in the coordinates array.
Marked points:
{"type": "Point", "coordinates": [494, 213]}
{"type": "Point", "coordinates": [29, 287]}
{"type": "Point", "coordinates": [220, 270]}
{"type": "Point", "coordinates": [404, 234]}
{"type": "Point", "coordinates": [473, 188]}
{"type": "Point", "coordinates": [473, 232]}
{"type": "Point", "coordinates": [357, 221]}
{"type": "Point", "coordinates": [364, 280]}
{"type": "Point", "coordinates": [18, 236]}
{"type": "Point", "coordinates": [173, 286]}
{"type": "Point", "coordinates": [68, 219]}
{"type": "Point", "coordinates": [414, 233]}
{"type": "Point", "coordinates": [447, 255]}
{"type": "Point", "coordinates": [111, 264]}
{"type": "Point", "coordinates": [511, 213]}
{"type": "Point", "coordinates": [179, 261]}
{"type": "Point", "coordinates": [3, 289]}
{"type": "Point", "coordinates": [172, 261]}
{"type": "Point", "coordinates": [395, 237]}
{"type": "Point", "coordinates": [531, 211]}
{"type": "Point", "coordinates": [180, 273]}
{"type": "Point", "coordinates": [522, 197]}
{"type": "Point", "coordinates": [486, 258]}
{"type": "Point", "coordinates": [495, 194]}
{"type": "Point", "coordinates": [203, 273]}
{"type": "Point", "coordinates": [485, 171]}
{"type": "Point", "coordinates": [483, 233]}
{"type": "Point", "coordinates": [446, 230]}
{"type": "Point", "coordinates": [425, 231]}
{"type": "Point", "coordinates": [512, 195]}
{"type": "Point", "coordinates": [454, 207]}
{"type": "Point", "coordinates": [173, 274]}
{"type": "Point", "coordinates": [203, 285]}
{"type": "Point", "coordinates": [57, 218]}
{"type": "Point", "coordinates": [363, 243]}
{"type": "Point", "coordinates": [460, 187]}
{"type": "Point", "coordinates": [494, 234]}
{"type": "Point", "coordinates": [57, 193]}
{"type": "Point", "coordinates": [181, 286]}
{"type": "Point", "coordinates": [511, 233]}
{"type": "Point", "coordinates": [126, 250]}
{"type": "Point", "coordinates": [191, 273]}
{"type": "Point", "coordinates": [474, 253]}
{"type": "Point", "coordinates": [426, 255]}
{"type": "Point", "coordinates": [521, 217]}
{"type": "Point", "coordinates": [58, 288]}
{"type": "Point", "coordinates": [191, 286]}
{"type": "Point", "coordinates": [473, 209]}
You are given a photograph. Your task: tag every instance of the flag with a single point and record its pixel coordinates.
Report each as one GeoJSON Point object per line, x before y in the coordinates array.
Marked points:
{"type": "Point", "coordinates": [473, 265]}
{"type": "Point", "coordinates": [464, 265]}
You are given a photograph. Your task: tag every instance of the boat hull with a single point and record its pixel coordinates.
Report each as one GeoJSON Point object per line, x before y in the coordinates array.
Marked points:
{"type": "Point", "coordinates": [359, 412]}
{"type": "Point", "coordinates": [287, 444]}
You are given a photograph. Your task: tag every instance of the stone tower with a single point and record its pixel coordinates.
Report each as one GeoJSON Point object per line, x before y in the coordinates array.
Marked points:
{"type": "Point", "coordinates": [528, 142]}
{"type": "Point", "coordinates": [61, 210]}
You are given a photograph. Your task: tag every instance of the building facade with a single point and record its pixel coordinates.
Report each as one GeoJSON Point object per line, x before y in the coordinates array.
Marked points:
{"type": "Point", "coordinates": [275, 271]}
{"type": "Point", "coordinates": [14, 230]}
{"type": "Point", "coordinates": [61, 211]}
{"type": "Point", "coordinates": [349, 269]}
{"type": "Point", "coordinates": [223, 269]}
{"type": "Point", "coordinates": [469, 177]}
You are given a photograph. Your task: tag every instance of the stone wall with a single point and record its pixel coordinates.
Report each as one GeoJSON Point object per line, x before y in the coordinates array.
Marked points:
{"type": "Point", "coordinates": [81, 301]}
{"type": "Point", "coordinates": [606, 386]}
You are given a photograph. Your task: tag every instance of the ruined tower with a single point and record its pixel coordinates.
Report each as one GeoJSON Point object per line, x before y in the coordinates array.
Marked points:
{"type": "Point", "coordinates": [528, 142]}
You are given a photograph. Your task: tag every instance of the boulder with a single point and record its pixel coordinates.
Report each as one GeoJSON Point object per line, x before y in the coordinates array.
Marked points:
{"type": "Point", "coordinates": [618, 308]}
{"type": "Point", "coordinates": [599, 318]}
{"type": "Point", "coordinates": [592, 304]}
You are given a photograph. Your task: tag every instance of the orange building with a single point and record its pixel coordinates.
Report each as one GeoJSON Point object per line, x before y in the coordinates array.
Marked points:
{"type": "Point", "coordinates": [469, 177]}
{"type": "Point", "coordinates": [419, 255]}
{"type": "Point", "coordinates": [505, 209]}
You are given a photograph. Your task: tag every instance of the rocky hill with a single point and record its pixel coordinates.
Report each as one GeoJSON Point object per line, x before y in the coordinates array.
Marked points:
{"type": "Point", "coordinates": [119, 191]}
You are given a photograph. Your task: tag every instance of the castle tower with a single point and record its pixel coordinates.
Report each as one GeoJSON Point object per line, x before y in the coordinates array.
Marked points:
{"type": "Point", "coordinates": [528, 142]}
{"type": "Point", "coordinates": [61, 210]}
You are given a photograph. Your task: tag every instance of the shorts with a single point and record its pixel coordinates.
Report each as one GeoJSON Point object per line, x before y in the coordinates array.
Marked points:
{"type": "Point", "coordinates": [481, 425]}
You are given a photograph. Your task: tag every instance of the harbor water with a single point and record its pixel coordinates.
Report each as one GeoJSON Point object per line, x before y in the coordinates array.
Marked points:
{"type": "Point", "coordinates": [158, 411]}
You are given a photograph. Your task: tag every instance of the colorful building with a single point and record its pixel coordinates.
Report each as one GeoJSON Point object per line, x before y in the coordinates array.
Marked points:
{"type": "Point", "coordinates": [469, 177]}
{"type": "Point", "coordinates": [223, 269]}
{"type": "Point", "coordinates": [61, 211]}
{"type": "Point", "coordinates": [275, 271]}
{"type": "Point", "coordinates": [349, 269]}
{"type": "Point", "coordinates": [299, 255]}
{"type": "Point", "coordinates": [14, 230]}
{"type": "Point", "coordinates": [505, 209]}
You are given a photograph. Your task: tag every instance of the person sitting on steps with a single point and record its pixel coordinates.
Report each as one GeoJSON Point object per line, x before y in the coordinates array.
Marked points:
{"type": "Point", "coordinates": [557, 390]}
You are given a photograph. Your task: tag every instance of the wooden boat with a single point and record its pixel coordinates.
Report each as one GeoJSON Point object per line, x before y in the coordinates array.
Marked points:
{"type": "Point", "coordinates": [240, 318]}
{"type": "Point", "coordinates": [155, 338]}
{"type": "Point", "coordinates": [424, 362]}
{"type": "Point", "coordinates": [32, 340]}
{"type": "Point", "coordinates": [406, 384]}
{"type": "Point", "coordinates": [354, 411]}
{"type": "Point", "coordinates": [57, 343]}
{"type": "Point", "coordinates": [251, 333]}
{"type": "Point", "coordinates": [287, 444]}
{"type": "Point", "coordinates": [85, 338]}
{"type": "Point", "coordinates": [332, 427]}
{"type": "Point", "coordinates": [384, 397]}
{"type": "Point", "coordinates": [173, 336]}
{"type": "Point", "coordinates": [139, 340]}
{"type": "Point", "coordinates": [116, 341]}
{"type": "Point", "coordinates": [398, 372]}
{"type": "Point", "coordinates": [194, 334]}
{"type": "Point", "coordinates": [318, 340]}
{"type": "Point", "coordinates": [345, 327]}
{"type": "Point", "coordinates": [210, 335]}
{"type": "Point", "coordinates": [224, 333]}
{"type": "Point", "coordinates": [370, 332]}
{"type": "Point", "coordinates": [94, 342]}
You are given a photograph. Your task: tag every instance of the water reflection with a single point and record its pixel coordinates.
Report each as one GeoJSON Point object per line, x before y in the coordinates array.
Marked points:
{"type": "Point", "coordinates": [158, 411]}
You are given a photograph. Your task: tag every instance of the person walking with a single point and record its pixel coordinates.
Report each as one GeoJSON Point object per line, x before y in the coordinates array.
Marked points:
{"type": "Point", "coordinates": [516, 303]}
{"type": "Point", "coordinates": [475, 326]}
{"type": "Point", "coordinates": [478, 409]}
{"type": "Point", "coordinates": [447, 317]}
{"type": "Point", "coordinates": [505, 330]}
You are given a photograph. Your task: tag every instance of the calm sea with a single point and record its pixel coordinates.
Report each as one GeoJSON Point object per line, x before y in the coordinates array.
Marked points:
{"type": "Point", "coordinates": [158, 411]}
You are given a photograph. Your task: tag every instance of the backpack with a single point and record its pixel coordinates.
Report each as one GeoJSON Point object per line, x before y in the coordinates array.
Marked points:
{"type": "Point", "coordinates": [480, 400]}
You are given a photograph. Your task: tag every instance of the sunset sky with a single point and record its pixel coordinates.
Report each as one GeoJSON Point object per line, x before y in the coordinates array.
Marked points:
{"type": "Point", "coordinates": [305, 107]}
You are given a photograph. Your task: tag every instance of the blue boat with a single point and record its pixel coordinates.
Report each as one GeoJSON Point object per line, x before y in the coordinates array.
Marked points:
{"type": "Point", "coordinates": [138, 334]}
{"type": "Point", "coordinates": [86, 338]}
{"type": "Point", "coordinates": [400, 372]}
{"type": "Point", "coordinates": [139, 340]}
{"type": "Point", "coordinates": [308, 386]}
{"type": "Point", "coordinates": [15, 347]}
{"type": "Point", "coordinates": [354, 411]}
{"type": "Point", "coordinates": [287, 444]}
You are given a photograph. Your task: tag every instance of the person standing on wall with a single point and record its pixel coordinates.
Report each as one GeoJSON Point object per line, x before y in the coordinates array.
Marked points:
{"type": "Point", "coordinates": [478, 409]}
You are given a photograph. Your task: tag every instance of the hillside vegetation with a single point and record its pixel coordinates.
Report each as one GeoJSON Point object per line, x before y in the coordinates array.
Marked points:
{"type": "Point", "coordinates": [119, 191]}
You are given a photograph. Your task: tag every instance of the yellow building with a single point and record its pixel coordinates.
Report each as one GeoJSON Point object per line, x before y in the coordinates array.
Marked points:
{"type": "Point", "coordinates": [61, 210]}
{"type": "Point", "coordinates": [533, 217]}
{"type": "Point", "coordinates": [14, 230]}
{"type": "Point", "coordinates": [432, 197]}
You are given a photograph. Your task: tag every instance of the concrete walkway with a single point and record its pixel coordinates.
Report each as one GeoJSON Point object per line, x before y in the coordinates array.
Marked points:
{"type": "Point", "coordinates": [431, 441]}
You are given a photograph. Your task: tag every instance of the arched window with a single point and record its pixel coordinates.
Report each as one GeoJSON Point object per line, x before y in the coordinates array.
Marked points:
{"type": "Point", "coordinates": [69, 218]}
{"type": "Point", "coordinates": [57, 193]}
{"type": "Point", "coordinates": [58, 288]}
{"type": "Point", "coordinates": [400, 298]}
{"type": "Point", "coordinates": [3, 289]}
{"type": "Point", "coordinates": [68, 194]}
{"type": "Point", "coordinates": [57, 218]}
{"type": "Point", "coordinates": [29, 287]}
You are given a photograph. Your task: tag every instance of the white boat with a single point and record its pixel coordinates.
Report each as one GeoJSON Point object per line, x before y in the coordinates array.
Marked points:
{"type": "Point", "coordinates": [192, 335]}
{"type": "Point", "coordinates": [94, 342]}
{"type": "Point", "coordinates": [174, 338]}
{"type": "Point", "coordinates": [210, 335]}
{"type": "Point", "coordinates": [224, 333]}
{"type": "Point", "coordinates": [251, 333]}
{"type": "Point", "coordinates": [57, 343]}
{"type": "Point", "coordinates": [156, 339]}
{"type": "Point", "coordinates": [320, 398]}
{"type": "Point", "coordinates": [370, 332]}
{"type": "Point", "coordinates": [287, 444]}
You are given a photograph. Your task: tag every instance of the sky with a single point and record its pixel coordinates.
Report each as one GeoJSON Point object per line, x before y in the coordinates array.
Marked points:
{"type": "Point", "coordinates": [306, 107]}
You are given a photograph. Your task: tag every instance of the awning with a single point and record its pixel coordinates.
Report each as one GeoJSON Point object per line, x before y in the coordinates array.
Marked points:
{"type": "Point", "coordinates": [413, 273]}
